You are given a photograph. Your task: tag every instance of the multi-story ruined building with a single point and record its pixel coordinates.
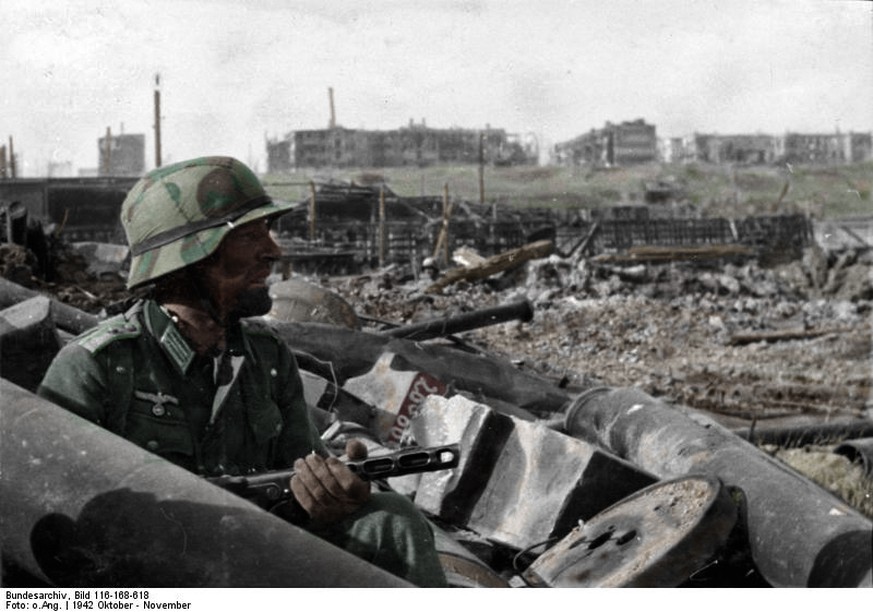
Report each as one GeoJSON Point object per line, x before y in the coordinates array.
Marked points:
{"type": "Point", "coordinates": [621, 144]}
{"type": "Point", "coordinates": [122, 155]}
{"type": "Point", "coordinates": [754, 149]}
{"type": "Point", "coordinates": [736, 148]}
{"type": "Point", "coordinates": [860, 146]}
{"type": "Point", "coordinates": [825, 148]}
{"type": "Point", "coordinates": [413, 145]}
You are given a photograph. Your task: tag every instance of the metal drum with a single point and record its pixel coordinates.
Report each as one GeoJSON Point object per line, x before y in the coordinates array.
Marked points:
{"type": "Point", "coordinates": [656, 537]}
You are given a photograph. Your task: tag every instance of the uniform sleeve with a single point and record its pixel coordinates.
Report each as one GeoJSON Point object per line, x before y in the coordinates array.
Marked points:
{"type": "Point", "coordinates": [75, 380]}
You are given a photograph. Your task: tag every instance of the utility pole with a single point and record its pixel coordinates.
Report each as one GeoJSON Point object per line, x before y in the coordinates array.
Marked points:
{"type": "Point", "coordinates": [13, 170]}
{"type": "Point", "coordinates": [157, 120]}
{"type": "Point", "coordinates": [312, 211]}
{"type": "Point", "coordinates": [481, 168]}
{"type": "Point", "coordinates": [383, 241]}
{"type": "Point", "coordinates": [332, 123]}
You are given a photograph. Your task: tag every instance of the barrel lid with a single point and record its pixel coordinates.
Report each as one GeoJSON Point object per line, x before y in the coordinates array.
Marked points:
{"type": "Point", "coordinates": [657, 537]}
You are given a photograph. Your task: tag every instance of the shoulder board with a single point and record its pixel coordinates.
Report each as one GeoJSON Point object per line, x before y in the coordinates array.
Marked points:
{"type": "Point", "coordinates": [109, 331]}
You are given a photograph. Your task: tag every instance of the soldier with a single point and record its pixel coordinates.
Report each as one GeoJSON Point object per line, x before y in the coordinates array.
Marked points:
{"type": "Point", "coordinates": [182, 374]}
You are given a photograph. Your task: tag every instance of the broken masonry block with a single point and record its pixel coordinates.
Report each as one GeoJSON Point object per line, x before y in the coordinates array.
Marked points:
{"type": "Point", "coordinates": [518, 483]}
{"type": "Point", "coordinates": [28, 341]}
{"type": "Point", "coordinates": [103, 258]}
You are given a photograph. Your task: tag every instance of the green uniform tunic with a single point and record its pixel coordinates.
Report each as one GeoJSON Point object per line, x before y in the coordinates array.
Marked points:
{"type": "Point", "coordinates": [237, 413]}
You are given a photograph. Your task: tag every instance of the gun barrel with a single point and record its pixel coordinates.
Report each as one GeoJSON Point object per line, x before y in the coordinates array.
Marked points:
{"type": "Point", "coordinates": [446, 326]}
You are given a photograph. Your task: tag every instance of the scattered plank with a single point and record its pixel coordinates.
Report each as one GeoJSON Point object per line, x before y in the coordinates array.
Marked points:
{"type": "Point", "coordinates": [655, 253]}
{"type": "Point", "coordinates": [493, 265]}
{"type": "Point", "coordinates": [785, 334]}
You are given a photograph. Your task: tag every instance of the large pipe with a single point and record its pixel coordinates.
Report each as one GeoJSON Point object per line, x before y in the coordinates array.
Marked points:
{"type": "Point", "coordinates": [799, 534]}
{"type": "Point", "coordinates": [347, 353]}
{"type": "Point", "coordinates": [446, 326]}
{"type": "Point", "coordinates": [80, 506]}
{"type": "Point", "coordinates": [66, 317]}
{"type": "Point", "coordinates": [858, 451]}
{"type": "Point", "coordinates": [799, 435]}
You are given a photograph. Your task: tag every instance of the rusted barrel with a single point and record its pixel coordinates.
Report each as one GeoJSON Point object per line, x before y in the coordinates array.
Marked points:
{"type": "Point", "coordinates": [800, 535]}
{"type": "Point", "coordinates": [80, 506]}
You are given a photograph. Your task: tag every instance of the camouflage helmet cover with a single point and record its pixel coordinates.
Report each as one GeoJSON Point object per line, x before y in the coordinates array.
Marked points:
{"type": "Point", "coordinates": [178, 214]}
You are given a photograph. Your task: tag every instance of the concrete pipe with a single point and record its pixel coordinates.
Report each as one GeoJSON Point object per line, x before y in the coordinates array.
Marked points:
{"type": "Point", "coordinates": [80, 506]}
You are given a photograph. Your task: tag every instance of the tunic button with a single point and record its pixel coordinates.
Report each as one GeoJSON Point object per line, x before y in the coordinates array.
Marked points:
{"type": "Point", "coordinates": [159, 410]}
{"type": "Point", "coordinates": [152, 445]}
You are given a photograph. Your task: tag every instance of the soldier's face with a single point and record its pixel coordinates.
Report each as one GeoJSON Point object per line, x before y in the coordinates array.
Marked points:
{"type": "Point", "coordinates": [236, 273]}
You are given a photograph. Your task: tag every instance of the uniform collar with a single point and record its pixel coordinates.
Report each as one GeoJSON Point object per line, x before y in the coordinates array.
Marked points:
{"type": "Point", "coordinates": [170, 339]}
{"type": "Point", "coordinates": [177, 349]}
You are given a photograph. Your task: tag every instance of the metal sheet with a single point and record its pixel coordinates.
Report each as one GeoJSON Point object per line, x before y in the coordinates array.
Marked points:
{"type": "Point", "coordinates": [519, 483]}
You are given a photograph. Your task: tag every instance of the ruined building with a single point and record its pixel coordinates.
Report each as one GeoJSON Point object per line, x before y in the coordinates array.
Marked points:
{"type": "Point", "coordinates": [121, 155]}
{"type": "Point", "coordinates": [622, 144]}
{"type": "Point", "coordinates": [751, 149]}
{"type": "Point", "coordinates": [413, 145]}
{"type": "Point", "coordinates": [825, 148]}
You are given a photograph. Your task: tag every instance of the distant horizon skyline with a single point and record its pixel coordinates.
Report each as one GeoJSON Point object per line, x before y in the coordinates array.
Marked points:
{"type": "Point", "coordinates": [661, 138]}
{"type": "Point", "coordinates": [234, 73]}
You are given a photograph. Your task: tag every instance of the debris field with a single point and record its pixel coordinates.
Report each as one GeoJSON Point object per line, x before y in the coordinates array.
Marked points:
{"type": "Point", "coordinates": [632, 387]}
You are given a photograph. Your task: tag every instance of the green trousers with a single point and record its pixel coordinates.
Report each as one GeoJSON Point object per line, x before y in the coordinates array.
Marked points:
{"type": "Point", "coordinates": [390, 532]}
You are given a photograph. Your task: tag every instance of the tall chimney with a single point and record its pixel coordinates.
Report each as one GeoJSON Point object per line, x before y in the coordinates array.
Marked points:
{"type": "Point", "coordinates": [332, 123]}
{"type": "Point", "coordinates": [157, 121]}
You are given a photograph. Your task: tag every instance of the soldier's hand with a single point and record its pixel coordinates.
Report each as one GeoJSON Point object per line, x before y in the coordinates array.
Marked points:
{"type": "Point", "coordinates": [328, 490]}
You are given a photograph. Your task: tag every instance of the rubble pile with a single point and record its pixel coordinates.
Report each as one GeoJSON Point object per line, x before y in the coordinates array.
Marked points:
{"type": "Point", "coordinates": [705, 336]}
{"type": "Point", "coordinates": [85, 275]}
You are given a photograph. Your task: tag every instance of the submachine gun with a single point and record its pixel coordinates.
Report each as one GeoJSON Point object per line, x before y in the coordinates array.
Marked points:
{"type": "Point", "coordinates": [271, 490]}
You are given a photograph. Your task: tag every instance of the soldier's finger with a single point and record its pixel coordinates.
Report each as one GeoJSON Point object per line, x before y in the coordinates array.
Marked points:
{"type": "Point", "coordinates": [356, 449]}
{"type": "Point", "coordinates": [352, 487]}
{"type": "Point", "coordinates": [312, 474]}
{"type": "Point", "coordinates": [303, 496]}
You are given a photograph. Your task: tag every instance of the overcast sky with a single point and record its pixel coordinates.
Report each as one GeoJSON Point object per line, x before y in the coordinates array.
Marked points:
{"type": "Point", "coordinates": [236, 71]}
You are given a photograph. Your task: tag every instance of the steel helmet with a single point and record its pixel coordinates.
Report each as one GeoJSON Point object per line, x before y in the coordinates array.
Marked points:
{"type": "Point", "coordinates": [178, 214]}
